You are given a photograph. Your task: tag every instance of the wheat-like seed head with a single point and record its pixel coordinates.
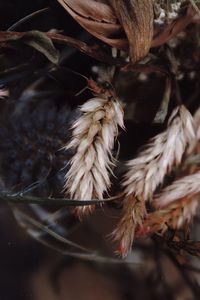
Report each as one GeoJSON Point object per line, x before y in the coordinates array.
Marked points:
{"type": "Point", "coordinates": [133, 213]}
{"type": "Point", "coordinates": [93, 139]}
{"type": "Point", "coordinates": [183, 187]}
{"type": "Point", "coordinates": [148, 170]}
{"type": "Point", "coordinates": [165, 150]}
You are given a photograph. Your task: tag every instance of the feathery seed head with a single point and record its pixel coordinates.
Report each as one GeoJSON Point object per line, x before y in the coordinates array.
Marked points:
{"type": "Point", "coordinates": [93, 139]}
{"type": "Point", "coordinates": [148, 170]}
{"type": "Point", "coordinates": [183, 187]}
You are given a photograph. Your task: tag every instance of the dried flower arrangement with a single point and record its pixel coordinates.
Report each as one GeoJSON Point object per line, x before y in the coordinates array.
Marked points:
{"type": "Point", "coordinates": [162, 154]}
{"type": "Point", "coordinates": [159, 187]}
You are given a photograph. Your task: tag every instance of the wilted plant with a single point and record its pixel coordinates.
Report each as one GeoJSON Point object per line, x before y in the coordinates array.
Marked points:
{"type": "Point", "coordinates": [93, 139]}
{"type": "Point", "coordinates": [159, 188]}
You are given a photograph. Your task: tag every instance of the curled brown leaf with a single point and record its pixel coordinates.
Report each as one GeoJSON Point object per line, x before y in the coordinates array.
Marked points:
{"type": "Point", "coordinates": [127, 25]}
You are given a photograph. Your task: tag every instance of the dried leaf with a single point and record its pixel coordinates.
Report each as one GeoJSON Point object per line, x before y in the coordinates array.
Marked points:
{"type": "Point", "coordinates": [36, 39]}
{"type": "Point", "coordinates": [39, 41]}
{"type": "Point", "coordinates": [136, 18]}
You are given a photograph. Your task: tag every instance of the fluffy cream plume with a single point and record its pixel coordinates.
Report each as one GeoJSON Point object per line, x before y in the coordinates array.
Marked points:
{"type": "Point", "coordinates": [174, 215]}
{"type": "Point", "coordinates": [183, 187]}
{"type": "Point", "coordinates": [148, 170]}
{"type": "Point", "coordinates": [165, 150]}
{"type": "Point", "coordinates": [93, 139]}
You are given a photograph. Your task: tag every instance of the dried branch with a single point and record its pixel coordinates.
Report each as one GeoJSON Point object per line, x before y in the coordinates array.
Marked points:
{"type": "Point", "coordinates": [96, 52]}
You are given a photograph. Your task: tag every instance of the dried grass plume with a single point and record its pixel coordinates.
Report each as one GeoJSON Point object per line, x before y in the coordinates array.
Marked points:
{"type": "Point", "coordinates": [148, 170]}
{"type": "Point", "coordinates": [93, 139]}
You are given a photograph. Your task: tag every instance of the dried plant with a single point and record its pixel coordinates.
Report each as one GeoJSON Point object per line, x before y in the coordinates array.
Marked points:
{"type": "Point", "coordinates": [132, 216]}
{"type": "Point", "coordinates": [3, 93]}
{"type": "Point", "coordinates": [181, 188]}
{"type": "Point", "coordinates": [148, 170]}
{"type": "Point", "coordinates": [133, 26]}
{"type": "Point", "coordinates": [122, 23]}
{"type": "Point", "coordinates": [93, 139]}
{"type": "Point", "coordinates": [174, 215]}
{"type": "Point", "coordinates": [165, 150]}
{"type": "Point", "coordinates": [105, 20]}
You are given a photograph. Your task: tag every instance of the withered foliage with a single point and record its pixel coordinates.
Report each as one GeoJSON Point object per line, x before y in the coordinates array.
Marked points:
{"type": "Point", "coordinates": [101, 110]}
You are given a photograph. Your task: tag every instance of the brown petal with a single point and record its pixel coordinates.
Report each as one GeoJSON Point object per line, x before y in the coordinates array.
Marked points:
{"type": "Point", "coordinates": [136, 18]}
{"type": "Point", "coordinates": [97, 10]}
{"type": "Point", "coordinates": [103, 31]}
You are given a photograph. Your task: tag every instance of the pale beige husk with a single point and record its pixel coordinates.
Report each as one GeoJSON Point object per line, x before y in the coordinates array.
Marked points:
{"type": "Point", "coordinates": [160, 155]}
{"type": "Point", "coordinates": [187, 185]}
{"type": "Point", "coordinates": [147, 171]}
{"type": "Point", "coordinates": [93, 139]}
